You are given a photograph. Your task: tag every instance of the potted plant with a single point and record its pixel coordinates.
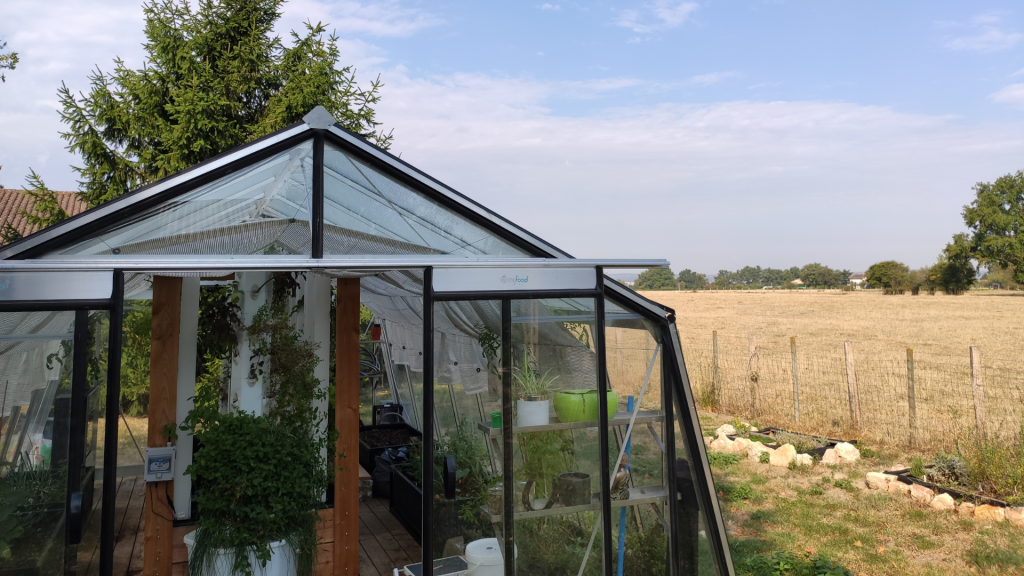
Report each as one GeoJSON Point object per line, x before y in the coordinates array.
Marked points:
{"type": "Point", "coordinates": [262, 476]}
{"type": "Point", "coordinates": [532, 390]}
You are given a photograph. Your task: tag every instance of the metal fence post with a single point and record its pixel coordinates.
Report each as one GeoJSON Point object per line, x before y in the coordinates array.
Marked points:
{"type": "Point", "coordinates": [716, 382]}
{"type": "Point", "coordinates": [796, 380]}
{"type": "Point", "coordinates": [851, 384]}
{"type": "Point", "coordinates": [978, 389]}
{"type": "Point", "coordinates": [752, 373]}
{"type": "Point", "coordinates": [911, 397]}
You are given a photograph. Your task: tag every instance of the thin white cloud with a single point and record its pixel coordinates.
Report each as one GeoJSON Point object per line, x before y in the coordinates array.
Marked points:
{"type": "Point", "coordinates": [712, 78]}
{"type": "Point", "coordinates": [981, 34]}
{"type": "Point", "coordinates": [1012, 95]}
{"type": "Point", "coordinates": [656, 16]}
{"type": "Point", "coordinates": [374, 18]}
{"type": "Point", "coordinates": [547, 6]}
{"type": "Point", "coordinates": [1017, 73]}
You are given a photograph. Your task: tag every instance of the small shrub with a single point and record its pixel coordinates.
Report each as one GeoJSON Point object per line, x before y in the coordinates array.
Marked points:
{"type": "Point", "coordinates": [736, 492]}
{"type": "Point", "coordinates": [949, 469]}
{"type": "Point", "coordinates": [844, 484]}
{"type": "Point", "coordinates": [721, 459]}
{"type": "Point", "coordinates": [785, 563]}
{"type": "Point", "coordinates": [866, 452]}
{"type": "Point", "coordinates": [917, 467]}
{"type": "Point", "coordinates": [741, 428]}
{"type": "Point", "coordinates": [764, 458]}
{"type": "Point", "coordinates": [816, 491]}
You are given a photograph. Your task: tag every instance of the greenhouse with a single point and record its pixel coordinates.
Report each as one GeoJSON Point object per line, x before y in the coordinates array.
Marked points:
{"type": "Point", "coordinates": [252, 365]}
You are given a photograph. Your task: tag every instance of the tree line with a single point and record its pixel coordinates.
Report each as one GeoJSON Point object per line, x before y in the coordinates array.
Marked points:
{"type": "Point", "coordinates": [814, 275]}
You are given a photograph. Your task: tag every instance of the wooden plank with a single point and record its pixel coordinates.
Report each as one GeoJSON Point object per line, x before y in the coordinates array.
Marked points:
{"type": "Point", "coordinates": [346, 422]}
{"type": "Point", "coordinates": [400, 534]}
{"type": "Point", "coordinates": [325, 559]}
{"type": "Point", "coordinates": [163, 393]}
{"type": "Point", "coordinates": [179, 552]}
{"type": "Point", "coordinates": [128, 530]}
{"type": "Point", "coordinates": [364, 532]}
{"type": "Point", "coordinates": [378, 558]}
{"type": "Point", "coordinates": [366, 567]}
{"type": "Point", "coordinates": [138, 547]}
{"type": "Point", "coordinates": [325, 527]}
{"type": "Point", "coordinates": [395, 551]}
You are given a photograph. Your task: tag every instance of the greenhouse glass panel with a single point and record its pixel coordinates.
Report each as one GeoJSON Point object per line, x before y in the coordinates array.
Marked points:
{"type": "Point", "coordinates": [366, 212]}
{"type": "Point", "coordinates": [634, 355]}
{"type": "Point", "coordinates": [261, 209]}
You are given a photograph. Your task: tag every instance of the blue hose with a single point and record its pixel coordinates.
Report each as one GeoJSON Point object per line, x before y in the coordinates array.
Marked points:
{"type": "Point", "coordinates": [622, 511]}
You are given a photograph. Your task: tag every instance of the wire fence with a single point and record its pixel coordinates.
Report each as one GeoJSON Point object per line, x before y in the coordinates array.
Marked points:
{"type": "Point", "coordinates": [890, 396]}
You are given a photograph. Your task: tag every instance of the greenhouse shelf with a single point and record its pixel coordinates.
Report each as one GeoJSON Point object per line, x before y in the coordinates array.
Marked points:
{"type": "Point", "coordinates": [620, 419]}
{"type": "Point", "coordinates": [637, 497]}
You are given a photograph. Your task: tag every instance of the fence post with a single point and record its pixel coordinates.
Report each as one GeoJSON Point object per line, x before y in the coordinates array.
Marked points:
{"type": "Point", "coordinates": [851, 384]}
{"type": "Point", "coordinates": [796, 380]}
{"type": "Point", "coordinates": [911, 397]}
{"type": "Point", "coordinates": [752, 372]}
{"type": "Point", "coordinates": [715, 382]}
{"type": "Point", "coordinates": [978, 388]}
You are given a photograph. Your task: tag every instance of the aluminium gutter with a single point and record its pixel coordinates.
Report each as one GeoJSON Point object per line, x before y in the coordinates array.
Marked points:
{"type": "Point", "coordinates": [368, 264]}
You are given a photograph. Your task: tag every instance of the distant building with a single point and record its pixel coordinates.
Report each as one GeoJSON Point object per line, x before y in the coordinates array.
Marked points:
{"type": "Point", "coordinates": [798, 282]}
{"type": "Point", "coordinates": [858, 280]}
{"type": "Point", "coordinates": [13, 201]}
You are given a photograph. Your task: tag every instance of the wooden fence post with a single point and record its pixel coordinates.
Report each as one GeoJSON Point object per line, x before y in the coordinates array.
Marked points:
{"type": "Point", "coordinates": [796, 380]}
{"type": "Point", "coordinates": [752, 373]}
{"type": "Point", "coordinates": [911, 397]}
{"type": "Point", "coordinates": [851, 384]}
{"type": "Point", "coordinates": [715, 382]}
{"type": "Point", "coordinates": [978, 388]}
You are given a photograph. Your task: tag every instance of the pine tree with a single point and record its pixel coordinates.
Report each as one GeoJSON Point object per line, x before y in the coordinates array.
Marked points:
{"type": "Point", "coordinates": [215, 78]}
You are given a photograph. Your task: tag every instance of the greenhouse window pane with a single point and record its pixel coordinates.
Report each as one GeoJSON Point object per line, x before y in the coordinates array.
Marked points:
{"type": "Point", "coordinates": [366, 212]}
{"type": "Point", "coordinates": [261, 209]}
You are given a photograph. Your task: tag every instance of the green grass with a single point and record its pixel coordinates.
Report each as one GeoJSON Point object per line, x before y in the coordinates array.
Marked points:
{"type": "Point", "coordinates": [721, 460]}
{"type": "Point", "coordinates": [986, 555]}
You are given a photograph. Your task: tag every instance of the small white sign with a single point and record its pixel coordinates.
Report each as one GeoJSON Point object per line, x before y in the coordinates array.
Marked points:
{"type": "Point", "coordinates": [39, 286]}
{"type": "Point", "coordinates": [513, 279]}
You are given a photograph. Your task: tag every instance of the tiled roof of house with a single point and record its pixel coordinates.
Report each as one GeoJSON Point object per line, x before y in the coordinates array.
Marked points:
{"type": "Point", "coordinates": [13, 201]}
{"type": "Point", "coordinates": [857, 276]}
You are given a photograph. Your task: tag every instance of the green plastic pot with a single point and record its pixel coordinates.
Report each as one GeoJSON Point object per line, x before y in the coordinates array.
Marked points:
{"type": "Point", "coordinates": [582, 405]}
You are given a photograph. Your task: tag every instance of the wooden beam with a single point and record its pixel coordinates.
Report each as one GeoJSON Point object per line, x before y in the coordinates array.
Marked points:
{"type": "Point", "coordinates": [163, 393]}
{"type": "Point", "coordinates": [346, 422]}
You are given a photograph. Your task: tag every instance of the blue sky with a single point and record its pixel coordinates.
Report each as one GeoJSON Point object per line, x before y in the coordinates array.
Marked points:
{"type": "Point", "coordinates": [713, 133]}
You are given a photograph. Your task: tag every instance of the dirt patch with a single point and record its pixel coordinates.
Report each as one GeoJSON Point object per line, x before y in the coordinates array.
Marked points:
{"type": "Point", "coordinates": [382, 438]}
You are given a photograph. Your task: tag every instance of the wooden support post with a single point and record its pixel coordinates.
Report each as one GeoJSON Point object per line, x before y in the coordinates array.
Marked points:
{"type": "Point", "coordinates": [978, 389]}
{"type": "Point", "coordinates": [851, 384]}
{"type": "Point", "coordinates": [163, 393]}
{"type": "Point", "coordinates": [796, 380]}
{"type": "Point", "coordinates": [753, 375]}
{"type": "Point", "coordinates": [715, 381]}
{"type": "Point", "coordinates": [911, 397]}
{"type": "Point", "coordinates": [346, 422]}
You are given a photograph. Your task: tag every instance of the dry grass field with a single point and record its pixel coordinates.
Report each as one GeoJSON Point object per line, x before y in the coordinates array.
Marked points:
{"type": "Point", "coordinates": [939, 328]}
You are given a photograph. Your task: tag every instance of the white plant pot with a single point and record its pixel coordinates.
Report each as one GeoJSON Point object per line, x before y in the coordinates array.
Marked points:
{"type": "Point", "coordinates": [533, 412]}
{"type": "Point", "coordinates": [282, 559]}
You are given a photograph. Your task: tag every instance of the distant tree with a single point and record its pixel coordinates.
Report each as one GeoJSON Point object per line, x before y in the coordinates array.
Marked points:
{"type": "Point", "coordinates": [215, 77]}
{"type": "Point", "coordinates": [723, 279]}
{"type": "Point", "coordinates": [997, 276]}
{"type": "Point", "coordinates": [692, 280]}
{"type": "Point", "coordinates": [655, 279]}
{"type": "Point", "coordinates": [996, 220]}
{"type": "Point", "coordinates": [954, 273]}
{"type": "Point", "coordinates": [890, 275]}
{"type": "Point", "coordinates": [8, 61]}
{"type": "Point", "coordinates": [820, 276]}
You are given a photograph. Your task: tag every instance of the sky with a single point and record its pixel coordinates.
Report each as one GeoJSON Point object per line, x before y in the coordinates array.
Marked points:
{"type": "Point", "coordinates": [712, 133]}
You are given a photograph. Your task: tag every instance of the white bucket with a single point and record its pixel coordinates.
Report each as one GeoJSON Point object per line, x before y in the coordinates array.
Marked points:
{"type": "Point", "coordinates": [484, 558]}
{"type": "Point", "coordinates": [281, 563]}
{"type": "Point", "coordinates": [533, 412]}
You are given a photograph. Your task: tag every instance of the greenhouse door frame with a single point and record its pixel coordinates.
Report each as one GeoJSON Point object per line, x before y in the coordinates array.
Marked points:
{"type": "Point", "coordinates": [80, 292]}
{"type": "Point", "coordinates": [672, 391]}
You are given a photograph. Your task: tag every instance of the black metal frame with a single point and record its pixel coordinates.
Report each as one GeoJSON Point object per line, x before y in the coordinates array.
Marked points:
{"type": "Point", "coordinates": [114, 305]}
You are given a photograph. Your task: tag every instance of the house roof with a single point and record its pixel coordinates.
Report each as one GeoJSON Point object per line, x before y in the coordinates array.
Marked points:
{"type": "Point", "coordinates": [797, 281]}
{"type": "Point", "coordinates": [13, 202]}
{"type": "Point", "coordinates": [857, 276]}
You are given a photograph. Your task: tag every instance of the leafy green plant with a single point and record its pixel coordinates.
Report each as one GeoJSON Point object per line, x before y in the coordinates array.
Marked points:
{"type": "Point", "coordinates": [527, 379]}
{"type": "Point", "coordinates": [802, 442]}
{"type": "Point", "coordinates": [764, 458]}
{"type": "Point", "coordinates": [721, 459]}
{"type": "Point", "coordinates": [917, 467]}
{"type": "Point", "coordinates": [785, 563]}
{"type": "Point", "coordinates": [844, 484]}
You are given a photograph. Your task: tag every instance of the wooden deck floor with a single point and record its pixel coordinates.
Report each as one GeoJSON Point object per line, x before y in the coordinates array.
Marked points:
{"type": "Point", "coordinates": [383, 542]}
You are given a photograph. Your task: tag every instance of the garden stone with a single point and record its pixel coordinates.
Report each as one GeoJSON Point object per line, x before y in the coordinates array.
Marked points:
{"type": "Point", "coordinates": [783, 456]}
{"type": "Point", "coordinates": [755, 450]}
{"type": "Point", "coordinates": [966, 509]}
{"type": "Point", "coordinates": [921, 494]}
{"type": "Point", "coordinates": [741, 445]}
{"type": "Point", "coordinates": [727, 429]}
{"type": "Point", "coordinates": [804, 460]}
{"type": "Point", "coordinates": [876, 480]}
{"type": "Point", "coordinates": [707, 440]}
{"type": "Point", "coordinates": [903, 489]}
{"type": "Point", "coordinates": [830, 457]}
{"type": "Point", "coordinates": [987, 513]}
{"type": "Point", "coordinates": [847, 453]}
{"type": "Point", "coordinates": [722, 444]}
{"type": "Point", "coordinates": [943, 502]}
{"type": "Point", "coordinates": [1015, 515]}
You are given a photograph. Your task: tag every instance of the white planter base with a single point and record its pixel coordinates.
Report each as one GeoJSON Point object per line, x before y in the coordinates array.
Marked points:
{"type": "Point", "coordinates": [533, 412]}
{"type": "Point", "coordinates": [282, 559]}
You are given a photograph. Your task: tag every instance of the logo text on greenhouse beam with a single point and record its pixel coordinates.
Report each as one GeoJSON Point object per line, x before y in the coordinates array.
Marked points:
{"type": "Point", "coordinates": [515, 279]}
